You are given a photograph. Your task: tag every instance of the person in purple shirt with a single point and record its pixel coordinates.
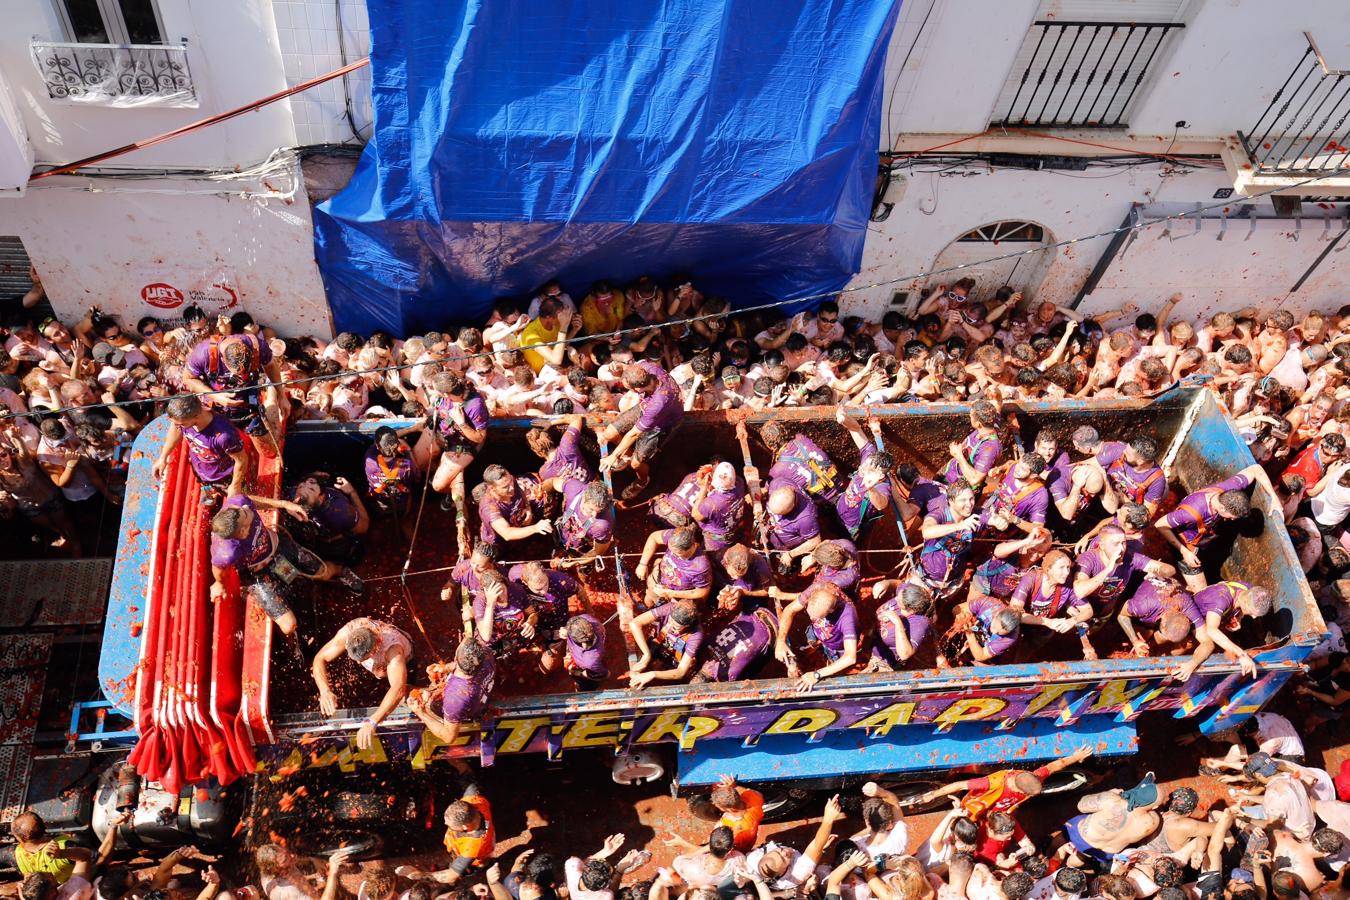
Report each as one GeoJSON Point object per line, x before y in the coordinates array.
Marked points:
{"type": "Point", "coordinates": [1162, 603]}
{"type": "Point", "coordinates": [948, 531]}
{"type": "Point", "coordinates": [563, 459]}
{"type": "Point", "coordinates": [719, 507]}
{"type": "Point", "coordinates": [229, 369]}
{"type": "Point", "coordinates": [1131, 469]}
{"type": "Point", "coordinates": [269, 563]}
{"type": "Point", "coordinates": [465, 695]}
{"type": "Point", "coordinates": [835, 561]}
{"type": "Point", "coordinates": [980, 451]}
{"type": "Point", "coordinates": [677, 638]}
{"type": "Point", "coordinates": [452, 435]}
{"type": "Point", "coordinates": [502, 614]}
{"type": "Point", "coordinates": [466, 579]}
{"type": "Point", "coordinates": [1045, 598]}
{"type": "Point", "coordinates": [1224, 605]}
{"type": "Point", "coordinates": [1111, 570]}
{"type": "Point", "coordinates": [902, 623]}
{"type": "Point", "coordinates": [507, 510]}
{"type": "Point", "coordinates": [743, 579]}
{"type": "Point", "coordinates": [644, 427]}
{"type": "Point", "coordinates": [548, 592]}
{"type": "Point", "coordinates": [335, 519]}
{"type": "Point", "coordinates": [586, 524]}
{"type": "Point", "coordinates": [684, 571]}
{"type": "Point", "coordinates": [792, 522]}
{"type": "Point", "coordinates": [215, 447]}
{"type": "Point", "coordinates": [391, 476]}
{"type": "Point", "coordinates": [1022, 498]}
{"type": "Point", "coordinates": [740, 649]}
{"type": "Point", "coordinates": [676, 508]}
{"type": "Point", "coordinates": [1131, 518]}
{"type": "Point", "coordinates": [993, 628]}
{"type": "Point", "coordinates": [1057, 465]}
{"type": "Point", "coordinates": [913, 494]}
{"type": "Point", "coordinates": [1193, 523]}
{"type": "Point", "coordinates": [583, 655]}
{"type": "Point", "coordinates": [798, 460]}
{"type": "Point", "coordinates": [832, 628]}
{"type": "Point", "coordinates": [1001, 573]}
{"type": "Point", "coordinates": [867, 493]}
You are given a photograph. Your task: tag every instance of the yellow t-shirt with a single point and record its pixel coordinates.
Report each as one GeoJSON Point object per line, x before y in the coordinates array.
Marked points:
{"type": "Point", "coordinates": [536, 333]}
{"type": "Point", "coordinates": [595, 320]}
{"type": "Point", "coordinates": [30, 862]}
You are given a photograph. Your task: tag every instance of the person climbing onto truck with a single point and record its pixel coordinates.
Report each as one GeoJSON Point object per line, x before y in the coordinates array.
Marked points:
{"type": "Point", "coordinates": [383, 650]}
{"type": "Point", "coordinates": [215, 447]}
{"type": "Point", "coordinates": [1197, 518]}
{"type": "Point", "coordinates": [645, 427]}
{"type": "Point", "coordinates": [269, 561]}
{"type": "Point", "coordinates": [1004, 790]}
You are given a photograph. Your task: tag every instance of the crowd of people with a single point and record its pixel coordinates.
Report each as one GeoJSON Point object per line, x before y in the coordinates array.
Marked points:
{"type": "Point", "coordinates": [1280, 830]}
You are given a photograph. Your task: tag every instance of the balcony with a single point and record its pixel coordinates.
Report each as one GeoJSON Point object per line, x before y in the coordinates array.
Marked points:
{"type": "Point", "coordinates": [1303, 132]}
{"type": "Point", "coordinates": [116, 74]}
{"type": "Point", "coordinates": [1079, 74]}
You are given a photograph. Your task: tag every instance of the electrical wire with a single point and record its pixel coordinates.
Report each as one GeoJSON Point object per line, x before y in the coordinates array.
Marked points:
{"type": "Point", "coordinates": [900, 72]}
{"type": "Point", "coordinates": [346, 84]}
{"type": "Point", "coordinates": [761, 307]}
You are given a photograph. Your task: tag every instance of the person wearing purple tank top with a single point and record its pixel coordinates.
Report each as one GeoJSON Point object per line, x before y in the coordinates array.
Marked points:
{"type": "Point", "coordinates": [464, 696]}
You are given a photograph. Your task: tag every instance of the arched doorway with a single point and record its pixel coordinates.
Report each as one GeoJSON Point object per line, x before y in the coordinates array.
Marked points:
{"type": "Point", "coordinates": [1023, 272]}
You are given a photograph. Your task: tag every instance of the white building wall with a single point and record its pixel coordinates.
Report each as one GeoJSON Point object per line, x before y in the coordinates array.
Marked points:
{"type": "Point", "coordinates": [309, 33]}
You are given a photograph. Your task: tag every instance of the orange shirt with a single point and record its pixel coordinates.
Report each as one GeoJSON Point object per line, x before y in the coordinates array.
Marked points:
{"type": "Point", "coordinates": [474, 846]}
{"type": "Point", "coordinates": [744, 824]}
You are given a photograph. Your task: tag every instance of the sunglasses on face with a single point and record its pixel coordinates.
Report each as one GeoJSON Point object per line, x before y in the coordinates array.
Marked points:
{"type": "Point", "coordinates": [826, 321]}
{"type": "Point", "coordinates": [150, 331]}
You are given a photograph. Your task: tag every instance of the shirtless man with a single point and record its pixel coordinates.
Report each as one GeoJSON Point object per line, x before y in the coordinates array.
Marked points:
{"type": "Point", "coordinates": [381, 649]}
{"type": "Point", "coordinates": [1112, 822]}
{"type": "Point", "coordinates": [25, 487]}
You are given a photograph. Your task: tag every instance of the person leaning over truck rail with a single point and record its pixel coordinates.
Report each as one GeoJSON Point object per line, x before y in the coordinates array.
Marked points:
{"type": "Point", "coordinates": [215, 447]}
{"type": "Point", "coordinates": [468, 685]}
{"type": "Point", "coordinates": [381, 649]}
{"type": "Point", "coordinates": [1224, 606]}
{"type": "Point", "coordinates": [1193, 524]}
{"type": "Point", "coordinates": [1006, 789]}
{"type": "Point", "coordinates": [269, 562]}
{"type": "Point", "coordinates": [832, 628]}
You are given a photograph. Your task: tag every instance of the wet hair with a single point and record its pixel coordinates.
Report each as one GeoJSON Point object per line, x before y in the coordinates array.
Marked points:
{"type": "Point", "coordinates": [725, 796]}
{"type": "Point", "coordinates": [53, 429]}
{"type": "Point", "coordinates": [1036, 865]}
{"type": "Point", "coordinates": [360, 643]}
{"type": "Point", "coordinates": [1333, 442]}
{"type": "Point", "coordinates": [1017, 885]}
{"type": "Point", "coordinates": [1001, 822]}
{"type": "Point", "coordinates": [1114, 887]}
{"type": "Point", "coordinates": [1035, 463]}
{"type": "Point", "coordinates": [965, 830]}
{"type": "Point", "coordinates": [116, 882]}
{"type": "Point", "coordinates": [386, 440]}
{"type": "Point", "coordinates": [38, 886]}
{"type": "Point", "coordinates": [1184, 800]}
{"type": "Point", "coordinates": [541, 868]}
{"type": "Point", "coordinates": [1146, 322]}
{"type": "Point", "coordinates": [1135, 515]}
{"type": "Point", "coordinates": [1173, 627]}
{"type": "Point", "coordinates": [637, 377]}
{"type": "Point", "coordinates": [470, 656]}
{"type": "Point", "coordinates": [721, 840]}
{"type": "Point", "coordinates": [1236, 503]}
{"type": "Point", "coordinates": [1238, 354]}
{"type": "Point", "coordinates": [484, 550]}
{"type": "Point", "coordinates": [346, 340]}
{"type": "Point", "coordinates": [272, 860]}
{"type": "Point", "coordinates": [877, 813]}
{"type": "Point", "coordinates": [1280, 320]}
{"type": "Point", "coordinates": [461, 813]}
{"type": "Point", "coordinates": [1086, 436]}
{"type": "Point", "coordinates": [581, 630]}
{"type": "Point", "coordinates": [683, 539]}
{"type": "Point", "coordinates": [1071, 880]}
{"type": "Point", "coordinates": [420, 891]}
{"type": "Point", "coordinates": [1328, 841]}
{"type": "Point", "coordinates": [957, 487]}
{"type": "Point", "coordinates": [915, 599]}
{"type": "Point", "coordinates": [378, 882]}
{"type": "Point", "coordinates": [1167, 872]}
{"type": "Point", "coordinates": [226, 522]}
{"type": "Point", "coordinates": [1285, 884]}
{"type": "Point", "coordinates": [596, 874]}
{"type": "Point", "coordinates": [184, 407]}
{"type": "Point", "coordinates": [1007, 619]}
{"type": "Point", "coordinates": [494, 473]}
{"type": "Point", "coordinates": [1146, 447]}
{"type": "Point", "coordinates": [1167, 893]}
{"type": "Point", "coordinates": [685, 614]}
{"type": "Point", "coordinates": [563, 406]}
{"type": "Point", "coordinates": [831, 555]}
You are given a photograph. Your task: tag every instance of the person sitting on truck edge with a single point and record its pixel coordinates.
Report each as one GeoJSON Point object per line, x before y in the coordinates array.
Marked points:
{"type": "Point", "coordinates": [469, 682]}
{"type": "Point", "coordinates": [1224, 605]}
{"type": "Point", "coordinates": [741, 648]}
{"type": "Point", "coordinates": [1192, 525]}
{"type": "Point", "coordinates": [508, 507]}
{"type": "Point", "coordinates": [867, 493]}
{"type": "Point", "coordinates": [390, 476]}
{"type": "Point", "coordinates": [381, 649]}
{"type": "Point", "coordinates": [643, 429]}
{"type": "Point", "coordinates": [268, 561]}
{"type": "Point", "coordinates": [974, 457]}
{"type": "Point", "coordinates": [678, 638]}
{"type": "Point", "coordinates": [833, 629]}
{"type": "Point", "coordinates": [1006, 789]}
{"type": "Point", "coordinates": [742, 810]}
{"type": "Point", "coordinates": [336, 518]}
{"type": "Point", "coordinates": [470, 838]}
{"type": "Point", "coordinates": [228, 370]}
{"type": "Point", "coordinates": [684, 571]}
{"type": "Point", "coordinates": [215, 447]}
{"type": "Point", "coordinates": [583, 655]}
{"type": "Point", "coordinates": [903, 623]}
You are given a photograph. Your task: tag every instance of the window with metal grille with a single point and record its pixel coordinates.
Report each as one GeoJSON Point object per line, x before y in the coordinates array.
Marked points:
{"type": "Point", "coordinates": [1000, 232]}
{"type": "Point", "coordinates": [1303, 131]}
{"type": "Point", "coordinates": [111, 21]}
{"type": "Point", "coordinates": [1079, 74]}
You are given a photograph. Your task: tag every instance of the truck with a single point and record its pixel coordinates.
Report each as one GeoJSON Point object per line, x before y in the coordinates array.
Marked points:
{"type": "Point", "coordinates": [219, 728]}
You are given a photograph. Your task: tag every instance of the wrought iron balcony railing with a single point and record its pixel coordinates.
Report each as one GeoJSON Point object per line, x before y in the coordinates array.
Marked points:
{"type": "Point", "coordinates": [1079, 74]}
{"type": "Point", "coordinates": [116, 74]}
{"type": "Point", "coordinates": [1304, 130]}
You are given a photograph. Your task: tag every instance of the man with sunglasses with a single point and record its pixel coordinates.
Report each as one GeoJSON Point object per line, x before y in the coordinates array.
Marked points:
{"type": "Point", "coordinates": [821, 329]}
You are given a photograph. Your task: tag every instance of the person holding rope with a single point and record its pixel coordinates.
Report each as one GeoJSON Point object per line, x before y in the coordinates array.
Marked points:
{"type": "Point", "coordinates": [468, 577]}
{"type": "Point", "coordinates": [867, 493]}
{"type": "Point", "coordinates": [228, 371]}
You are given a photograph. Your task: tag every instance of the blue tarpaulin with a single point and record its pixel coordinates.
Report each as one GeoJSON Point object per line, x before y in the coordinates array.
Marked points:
{"type": "Point", "coordinates": [520, 140]}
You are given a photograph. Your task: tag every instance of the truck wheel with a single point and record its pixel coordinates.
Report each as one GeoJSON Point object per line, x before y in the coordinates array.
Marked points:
{"type": "Point", "coordinates": [911, 792]}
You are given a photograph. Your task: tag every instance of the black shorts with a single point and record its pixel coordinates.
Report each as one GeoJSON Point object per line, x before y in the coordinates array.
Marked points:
{"type": "Point", "coordinates": [454, 444]}
{"type": "Point", "coordinates": [274, 585]}
{"type": "Point", "coordinates": [247, 418]}
{"type": "Point", "coordinates": [1185, 569]}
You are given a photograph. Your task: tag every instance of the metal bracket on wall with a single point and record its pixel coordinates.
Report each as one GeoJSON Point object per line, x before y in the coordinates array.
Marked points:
{"type": "Point", "coordinates": [1199, 223]}
{"type": "Point", "coordinates": [1252, 230]}
{"type": "Point", "coordinates": [1223, 224]}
